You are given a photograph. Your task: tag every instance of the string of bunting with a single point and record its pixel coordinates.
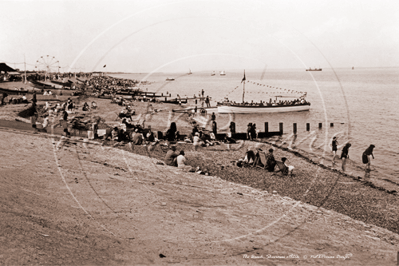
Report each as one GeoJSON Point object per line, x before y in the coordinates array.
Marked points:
{"type": "Point", "coordinates": [269, 86]}
{"type": "Point", "coordinates": [231, 91]}
{"type": "Point", "coordinates": [267, 92]}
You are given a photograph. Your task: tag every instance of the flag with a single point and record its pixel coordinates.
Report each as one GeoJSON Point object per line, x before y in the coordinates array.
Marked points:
{"type": "Point", "coordinates": [243, 79]}
{"type": "Point", "coordinates": [104, 65]}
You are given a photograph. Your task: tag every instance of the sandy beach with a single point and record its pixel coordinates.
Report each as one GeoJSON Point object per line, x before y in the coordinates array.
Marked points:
{"type": "Point", "coordinates": [86, 204]}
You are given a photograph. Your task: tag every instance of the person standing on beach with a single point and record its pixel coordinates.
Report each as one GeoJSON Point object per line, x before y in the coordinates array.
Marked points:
{"type": "Point", "coordinates": [334, 145]}
{"type": "Point", "coordinates": [367, 155]}
{"type": "Point", "coordinates": [213, 116]}
{"type": "Point", "coordinates": [196, 141]}
{"type": "Point", "coordinates": [345, 155]}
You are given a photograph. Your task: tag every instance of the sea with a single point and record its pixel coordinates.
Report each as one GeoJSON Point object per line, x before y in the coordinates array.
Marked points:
{"type": "Point", "coordinates": [359, 105]}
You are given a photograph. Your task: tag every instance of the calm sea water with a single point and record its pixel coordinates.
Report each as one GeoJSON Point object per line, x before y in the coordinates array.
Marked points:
{"type": "Point", "coordinates": [363, 104]}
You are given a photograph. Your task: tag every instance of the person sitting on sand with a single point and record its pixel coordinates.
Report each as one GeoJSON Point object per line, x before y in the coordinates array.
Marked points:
{"type": "Point", "coordinates": [249, 156]}
{"type": "Point", "coordinates": [85, 107]}
{"type": "Point", "coordinates": [108, 134]}
{"type": "Point", "coordinates": [149, 135]}
{"type": "Point", "coordinates": [172, 134]}
{"type": "Point", "coordinates": [284, 168]}
{"type": "Point", "coordinates": [170, 157]}
{"type": "Point", "coordinates": [181, 162]}
{"type": "Point", "coordinates": [270, 161]}
{"type": "Point", "coordinates": [258, 161]}
{"type": "Point", "coordinates": [115, 134]}
{"type": "Point", "coordinates": [289, 167]}
{"type": "Point", "coordinates": [205, 139]}
{"type": "Point", "coordinates": [70, 105]}
{"type": "Point", "coordinates": [93, 105]}
{"type": "Point", "coordinates": [137, 138]}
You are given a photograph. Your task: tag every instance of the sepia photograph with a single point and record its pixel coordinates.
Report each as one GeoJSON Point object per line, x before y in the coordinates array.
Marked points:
{"type": "Point", "coordinates": [199, 132]}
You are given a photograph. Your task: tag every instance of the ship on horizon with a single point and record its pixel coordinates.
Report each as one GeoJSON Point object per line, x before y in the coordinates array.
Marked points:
{"type": "Point", "coordinates": [314, 69]}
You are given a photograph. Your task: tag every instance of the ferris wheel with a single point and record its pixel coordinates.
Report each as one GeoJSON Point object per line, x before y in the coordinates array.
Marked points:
{"type": "Point", "coordinates": [48, 64]}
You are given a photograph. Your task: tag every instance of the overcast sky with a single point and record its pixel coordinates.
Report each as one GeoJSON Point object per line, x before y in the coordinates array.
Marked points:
{"type": "Point", "coordinates": [144, 36]}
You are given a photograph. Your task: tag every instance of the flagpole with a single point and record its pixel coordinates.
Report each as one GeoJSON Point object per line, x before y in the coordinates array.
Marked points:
{"type": "Point", "coordinates": [243, 91]}
{"type": "Point", "coordinates": [25, 68]}
{"type": "Point", "coordinates": [243, 88]}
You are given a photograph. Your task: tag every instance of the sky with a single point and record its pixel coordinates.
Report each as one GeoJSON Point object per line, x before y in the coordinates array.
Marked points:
{"type": "Point", "coordinates": [175, 36]}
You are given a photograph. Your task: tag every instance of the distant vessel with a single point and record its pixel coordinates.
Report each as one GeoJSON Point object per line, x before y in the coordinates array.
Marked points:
{"type": "Point", "coordinates": [314, 69]}
{"type": "Point", "coordinates": [222, 73]}
{"type": "Point", "coordinates": [213, 73]}
{"type": "Point", "coordinates": [168, 79]}
{"type": "Point", "coordinates": [189, 72]}
{"type": "Point", "coordinates": [353, 68]}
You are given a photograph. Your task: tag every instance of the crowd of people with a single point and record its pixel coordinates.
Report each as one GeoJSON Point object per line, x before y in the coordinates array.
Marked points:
{"type": "Point", "coordinates": [298, 101]}
{"type": "Point", "coordinates": [12, 99]}
{"type": "Point", "coordinates": [253, 159]}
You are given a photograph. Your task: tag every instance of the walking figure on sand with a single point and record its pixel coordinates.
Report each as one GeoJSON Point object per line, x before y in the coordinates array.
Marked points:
{"type": "Point", "coordinates": [367, 155]}
{"type": "Point", "coordinates": [334, 145]}
{"type": "Point", "coordinates": [345, 155]}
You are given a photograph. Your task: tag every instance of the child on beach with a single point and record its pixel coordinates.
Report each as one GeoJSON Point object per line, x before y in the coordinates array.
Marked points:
{"type": "Point", "coordinates": [181, 162]}
{"type": "Point", "coordinates": [345, 155]}
{"type": "Point", "coordinates": [289, 167]}
{"type": "Point", "coordinates": [196, 141]}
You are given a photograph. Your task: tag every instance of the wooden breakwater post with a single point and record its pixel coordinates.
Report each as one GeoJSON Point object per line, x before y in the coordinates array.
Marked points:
{"type": "Point", "coordinates": [266, 127]}
{"type": "Point", "coordinates": [232, 127]}
{"type": "Point", "coordinates": [307, 126]}
{"type": "Point", "coordinates": [294, 129]}
{"type": "Point", "coordinates": [331, 124]}
{"type": "Point", "coordinates": [281, 129]}
{"type": "Point", "coordinates": [320, 125]}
